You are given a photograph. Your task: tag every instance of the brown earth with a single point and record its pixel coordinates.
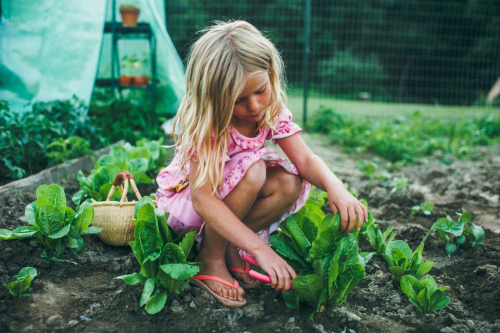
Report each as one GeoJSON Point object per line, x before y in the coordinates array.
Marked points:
{"type": "Point", "coordinates": [85, 298]}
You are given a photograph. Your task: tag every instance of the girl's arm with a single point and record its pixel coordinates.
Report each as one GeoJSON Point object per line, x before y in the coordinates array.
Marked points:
{"type": "Point", "coordinates": [313, 169]}
{"type": "Point", "coordinates": [215, 212]}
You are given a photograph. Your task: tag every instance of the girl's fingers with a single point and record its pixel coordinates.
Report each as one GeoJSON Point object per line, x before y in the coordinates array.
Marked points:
{"type": "Point", "coordinates": [352, 219]}
{"type": "Point", "coordinates": [281, 279]}
{"type": "Point", "coordinates": [365, 210]}
{"type": "Point", "coordinates": [287, 281]}
{"type": "Point", "coordinates": [272, 275]}
{"type": "Point", "coordinates": [361, 214]}
{"type": "Point", "coordinates": [334, 208]}
{"type": "Point", "coordinates": [344, 218]}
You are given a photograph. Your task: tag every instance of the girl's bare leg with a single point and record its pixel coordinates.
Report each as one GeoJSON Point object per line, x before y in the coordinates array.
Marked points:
{"type": "Point", "coordinates": [279, 192]}
{"type": "Point", "coordinates": [213, 250]}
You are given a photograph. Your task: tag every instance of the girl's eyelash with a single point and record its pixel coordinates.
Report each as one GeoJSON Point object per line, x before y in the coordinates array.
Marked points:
{"type": "Point", "coordinates": [257, 92]}
{"type": "Point", "coordinates": [262, 91]}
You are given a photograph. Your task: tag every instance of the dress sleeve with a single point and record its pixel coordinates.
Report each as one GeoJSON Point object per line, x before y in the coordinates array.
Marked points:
{"type": "Point", "coordinates": [284, 127]}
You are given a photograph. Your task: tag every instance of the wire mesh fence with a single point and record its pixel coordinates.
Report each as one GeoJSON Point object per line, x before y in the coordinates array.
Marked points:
{"type": "Point", "coordinates": [395, 51]}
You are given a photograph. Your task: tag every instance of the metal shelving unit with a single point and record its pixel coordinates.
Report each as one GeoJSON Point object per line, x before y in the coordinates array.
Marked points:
{"type": "Point", "coordinates": [121, 32]}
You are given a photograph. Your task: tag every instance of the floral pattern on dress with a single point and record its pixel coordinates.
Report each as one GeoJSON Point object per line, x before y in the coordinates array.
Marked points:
{"type": "Point", "coordinates": [242, 153]}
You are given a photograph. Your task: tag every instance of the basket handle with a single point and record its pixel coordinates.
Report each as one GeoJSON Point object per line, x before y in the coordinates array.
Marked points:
{"type": "Point", "coordinates": [123, 176]}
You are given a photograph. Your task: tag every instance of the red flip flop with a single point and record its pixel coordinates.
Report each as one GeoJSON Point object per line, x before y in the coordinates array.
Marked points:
{"type": "Point", "coordinates": [198, 281]}
{"type": "Point", "coordinates": [244, 285]}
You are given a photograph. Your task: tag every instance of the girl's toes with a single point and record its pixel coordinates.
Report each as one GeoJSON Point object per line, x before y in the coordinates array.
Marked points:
{"type": "Point", "coordinates": [219, 291]}
{"type": "Point", "coordinates": [241, 294]}
{"type": "Point", "coordinates": [225, 293]}
{"type": "Point", "coordinates": [231, 294]}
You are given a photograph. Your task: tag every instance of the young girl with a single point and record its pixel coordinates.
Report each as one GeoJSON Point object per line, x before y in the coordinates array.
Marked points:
{"type": "Point", "coordinates": [222, 181]}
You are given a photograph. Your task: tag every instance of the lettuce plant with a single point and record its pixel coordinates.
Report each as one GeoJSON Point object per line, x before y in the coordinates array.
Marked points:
{"type": "Point", "coordinates": [22, 283]}
{"type": "Point", "coordinates": [54, 225]}
{"type": "Point", "coordinates": [456, 233]}
{"type": "Point", "coordinates": [402, 261]}
{"type": "Point", "coordinates": [164, 266]}
{"type": "Point", "coordinates": [327, 260]}
{"type": "Point", "coordinates": [378, 239]}
{"type": "Point", "coordinates": [425, 294]}
{"type": "Point", "coordinates": [146, 157]}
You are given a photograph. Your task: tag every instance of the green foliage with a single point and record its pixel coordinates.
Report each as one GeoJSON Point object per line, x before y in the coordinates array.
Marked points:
{"type": "Point", "coordinates": [456, 233]}
{"type": "Point", "coordinates": [127, 117]}
{"type": "Point", "coordinates": [142, 161]}
{"type": "Point", "coordinates": [378, 239]}
{"type": "Point", "coordinates": [424, 207]}
{"type": "Point", "coordinates": [54, 225]}
{"type": "Point", "coordinates": [164, 266]}
{"type": "Point", "coordinates": [425, 294]}
{"type": "Point", "coordinates": [408, 138]}
{"type": "Point", "coordinates": [61, 149]}
{"type": "Point", "coordinates": [22, 283]}
{"type": "Point", "coordinates": [403, 262]}
{"type": "Point", "coordinates": [327, 260]}
{"type": "Point", "coordinates": [24, 138]}
{"type": "Point", "coordinates": [346, 74]}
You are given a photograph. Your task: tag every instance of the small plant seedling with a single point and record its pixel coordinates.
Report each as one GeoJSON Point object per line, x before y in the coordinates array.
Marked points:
{"type": "Point", "coordinates": [402, 262]}
{"type": "Point", "coordinates": [399, 185]}
{"type": "Point", "coordinates": [455, 233]}
{"type": "Point", "coordinates": [22, 283]}
{"type": "Point", "coordinates": [378, 239]}
{"type": "Point", "coordinates": [425, 294]}
{"type": "Point", "coordinates": [424, 207]}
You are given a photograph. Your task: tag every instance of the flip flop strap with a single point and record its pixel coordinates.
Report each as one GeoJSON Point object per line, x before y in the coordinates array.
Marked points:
{"type": "Point", "coordinates": [239, 270]}
{"type": "Point", "coordinates": [214, 278]}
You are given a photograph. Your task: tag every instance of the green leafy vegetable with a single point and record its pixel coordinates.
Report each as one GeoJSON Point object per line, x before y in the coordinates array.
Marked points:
{"type": "Point", "coordinates": [54, 225]}
{"type": "Point", "coordinates": [378, 239]}
{"type": "Point", "coordinates": [327, 260]}
{"type": "Point", "coordinates": [425, 294]}
{"type": "Point", "coordinates": [164, 265]}
{"type": "Point", "coordinates": [22, 283]}
{"type": "Point", "coordinates": [141, 160]}
{"type": "Point", "coordinates": [402, 261]}
{"type": "Point", "coordinates": [455, 233]}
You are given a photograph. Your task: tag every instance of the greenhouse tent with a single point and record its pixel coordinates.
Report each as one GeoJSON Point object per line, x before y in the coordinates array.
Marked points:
{"type": "Point", "coordinates": [54, 50]}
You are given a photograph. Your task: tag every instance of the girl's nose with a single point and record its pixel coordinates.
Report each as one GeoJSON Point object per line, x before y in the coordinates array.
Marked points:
{"type": "Point", "coordinates": [253, 104]}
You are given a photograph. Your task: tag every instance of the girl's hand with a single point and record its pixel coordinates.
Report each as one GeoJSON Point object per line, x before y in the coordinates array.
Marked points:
{"type": "Point", "coordinates": [279, 271]}
{"type": "Point", "coordinates": [348, 206]}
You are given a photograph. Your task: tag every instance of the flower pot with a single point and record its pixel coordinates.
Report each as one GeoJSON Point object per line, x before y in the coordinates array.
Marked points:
{"type": "Point", "coordinates": [141, 81]}
{"type": "Point", "coordinates": [125, 80]}
{"type": "Point", "coordinates": [129, 15]}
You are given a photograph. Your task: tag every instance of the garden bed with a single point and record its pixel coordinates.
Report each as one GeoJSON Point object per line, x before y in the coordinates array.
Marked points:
{"type": "Point", "coordinates": [85, 297]}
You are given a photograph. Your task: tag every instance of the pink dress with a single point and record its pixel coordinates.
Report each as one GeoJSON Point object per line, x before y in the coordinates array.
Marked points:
{"type": "Point", "coordinates": [241, 154]}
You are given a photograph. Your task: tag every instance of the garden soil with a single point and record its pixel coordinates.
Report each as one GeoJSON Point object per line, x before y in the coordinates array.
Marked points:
{"type": "Point", "coordinates": [85, 298]}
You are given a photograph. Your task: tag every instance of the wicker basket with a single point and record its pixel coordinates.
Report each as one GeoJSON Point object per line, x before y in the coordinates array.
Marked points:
{"type": "Point", "coordinates": [115, 218]}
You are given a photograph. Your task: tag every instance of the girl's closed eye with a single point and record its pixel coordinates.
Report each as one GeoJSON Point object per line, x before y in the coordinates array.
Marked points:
{"type": "Point", "coordinates": [260, 92]}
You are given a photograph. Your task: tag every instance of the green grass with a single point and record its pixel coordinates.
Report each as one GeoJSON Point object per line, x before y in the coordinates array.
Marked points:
{"type": "Point", "coordinates": [380, 110]}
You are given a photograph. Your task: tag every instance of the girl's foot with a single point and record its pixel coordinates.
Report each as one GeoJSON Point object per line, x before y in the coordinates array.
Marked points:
{"type": "Point", "coordinates": [233, 260]}
{"type": "Point", "coordinates": [217, 268]}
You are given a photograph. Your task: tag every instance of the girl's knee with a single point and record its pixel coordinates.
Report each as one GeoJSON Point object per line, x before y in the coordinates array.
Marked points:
{"type": "Point", "coordinates": [290, 186]}
{"type": "Point", "coordinates": [256, 175]}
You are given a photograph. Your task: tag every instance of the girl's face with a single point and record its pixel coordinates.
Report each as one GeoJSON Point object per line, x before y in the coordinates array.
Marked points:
{"type": "Point", "coordinates": [254, 99]}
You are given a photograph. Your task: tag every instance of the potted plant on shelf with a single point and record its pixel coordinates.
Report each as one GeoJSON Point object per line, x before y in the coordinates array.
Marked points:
{"type": "Point", "coordinates": [141, 79]}
{"type": "Point", "coordinates": [129, 13]}
{"type": "Point", "coordinates": [128, 64]}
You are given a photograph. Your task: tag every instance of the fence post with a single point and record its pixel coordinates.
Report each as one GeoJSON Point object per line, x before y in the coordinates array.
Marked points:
{"type": "Point", "coordinates": [305, 66]}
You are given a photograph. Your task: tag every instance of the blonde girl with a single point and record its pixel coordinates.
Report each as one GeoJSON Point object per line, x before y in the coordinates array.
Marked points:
{"type": "Point", "coordinates": [222, 181]}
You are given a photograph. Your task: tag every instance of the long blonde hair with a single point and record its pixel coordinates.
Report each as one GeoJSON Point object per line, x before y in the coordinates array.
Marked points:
{"type": "Point", "coordinates": [219, 63]}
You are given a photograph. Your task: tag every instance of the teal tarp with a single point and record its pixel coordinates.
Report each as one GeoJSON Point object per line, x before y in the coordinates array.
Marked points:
{"type": "Point", "coordinates": [51, 50]}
